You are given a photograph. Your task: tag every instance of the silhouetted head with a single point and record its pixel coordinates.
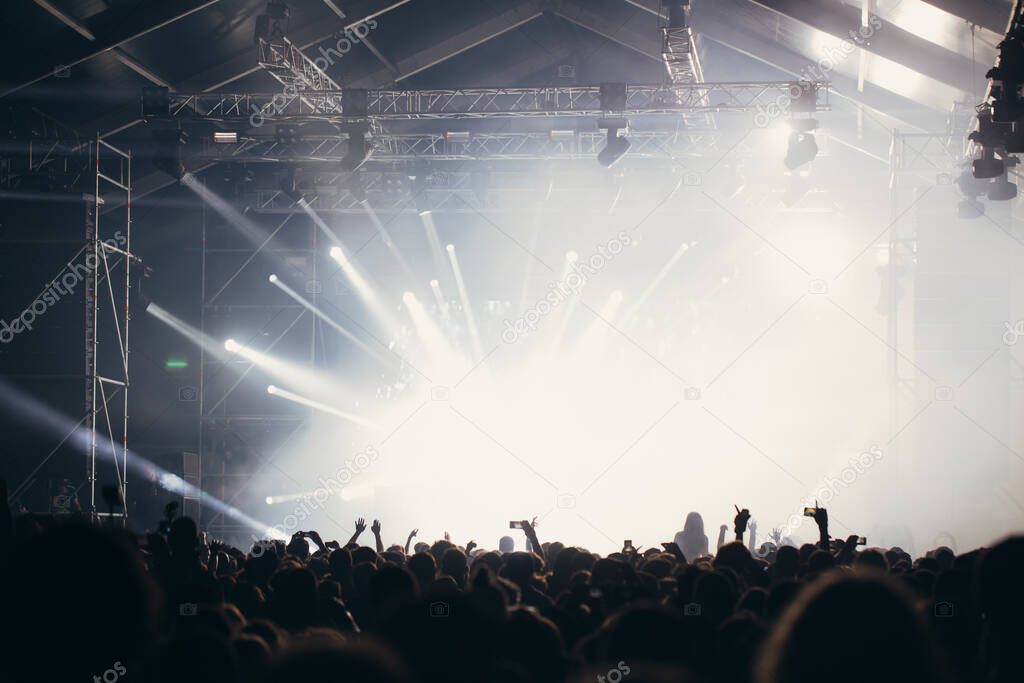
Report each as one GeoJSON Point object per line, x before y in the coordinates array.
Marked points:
{"type": "Point", "coordinates": [506, 544]}
{"type": "Point", "coordinates": [867, 617]}
{"type": "Point", "coordinates": [694, 524]}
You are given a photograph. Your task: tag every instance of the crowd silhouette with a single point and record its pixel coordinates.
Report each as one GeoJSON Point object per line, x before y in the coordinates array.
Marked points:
{"type": "Point", "coordinates": [86, 603]}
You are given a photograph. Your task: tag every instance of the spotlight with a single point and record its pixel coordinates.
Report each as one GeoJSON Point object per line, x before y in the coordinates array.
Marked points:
{"type": "Point", "coordinates": [614, 150]}
{"type": "Point", "coordinates": [988, 166]}
{"type": "Point", "coordinates": [290, 184]}
{"type": "Point", "coordinates": [336, 253]}
{"type": "Point", "coordinates": [970, 186]}
{"type": "Point", "coordinates": [1002, 190]}
{"type": "Point", "coordinates": [168, 143]}
{"type": "Point", "coordinates": [409, 298]}
{"type": "Point", "coordinates": [225, 137]}
{"type": "Point", "coordinates": [969, 209]}
{"type": "Point", "coordinates": [287, 134]}
{"type": "Point", "coordinates": [435, 283]}
{"type": "Point", "coordinates": [802, 150]}
{"type": "Point", "coordinates": [450, 248]}
{"type": "Point", "coordinates": [272, 278]}
{"type": "Point", "coordinates": [358, 151]}
{"type": "Point", "coordinates": [231, 345]}
{"type": "Point", "coordinates": [271, 389]}
{"type": "Point", "coordinates": [269, 500]}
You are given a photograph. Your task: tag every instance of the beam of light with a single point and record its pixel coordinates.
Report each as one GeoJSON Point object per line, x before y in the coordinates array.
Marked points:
{"type": "Point", "coordinates": [439, 349]}
{"type": "Point", "coordinates": [364, 290]}
{"type": "Point", "coordinates": [212, 346]}
{"type": "Point", "coordinates": [314, 382]}
{"type": "Point", "coordinates": [437, 253]}
{"type": "Point", "coordinates": [256, 235]}
{"type": "Point", "coordinates": [562, 314]}
{"type": "Point", "coordinates": [524, 297]}
{"type": "Point", "coordinates": [442, 304]}
{"type": "Point", "coordinates": [322, 407]}
{"type": "Point", "coordinates": [658, 279]}
{"type": "Point", "coordinates": [317, 221]}
{"type": "Point", "coordinates": [276, 281]}
{"type": "Point", "coordinates": [594, 338]}
{"type": "Point", "coordinates": [474, 331]}
{"type": "Point", "coordinates": [347, 493]}
{"type": "Point", "coordinates": [385, 237]}
{"type": "Point", "coordinates": [36, 413]}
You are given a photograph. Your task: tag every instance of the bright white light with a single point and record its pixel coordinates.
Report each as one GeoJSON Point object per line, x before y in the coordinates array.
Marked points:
{"type": "Point", "coordinates": [269, 500]}
{"type": "Point", "coordinates": [409, 298]}
{"type": "Point", "coordinates": [271, 389]}
{"type": "Point", "coordinates": [273, 277]}
{"type": "Point", "coordinates": [336, 253]}
{"type": "Point", "coordinates": [450, 248]}
{"type": "Point", "coordinates": [572, 256]}
{"type": "Point", "coordinates": [232, 346]}
{"type": "Point", "coordinates": [434, 283]}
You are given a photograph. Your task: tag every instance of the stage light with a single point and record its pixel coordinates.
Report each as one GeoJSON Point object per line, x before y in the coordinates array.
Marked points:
{"type": "Point", "coordinates": [802, 149]}
{"type": "Point", "coordinates": [225, 137]}
{"type": "Point", "coordinates": [1002, 190]}
{"type": "Point", "coordinates": [409, 298]}
{"type": "Point", "coordinates": [614, 150]}
{"type": "Point", "coordinates": [988, 166]}
{"type": "Point", "coordinates": [272, 278]}
{"type": "Point", "coordinates": [231, 345]}
{"type": "Point", "coordinates": [450, 248]}
{"type": "Point", "coordinates": [358, 151]}
{"type": "Point", "coordinates": [434, 283]}
{"type": "Point", "coordinates": [271, 389]}
{"type": "Point", "coordinates": [167, 152]}
{"type": "Point", "coordinates": [269, 500]}
{"type": "Point", "coordinates": [337, 254]}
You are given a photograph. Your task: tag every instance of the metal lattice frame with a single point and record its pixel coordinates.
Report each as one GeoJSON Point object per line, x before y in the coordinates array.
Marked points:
{"type": "Point", "coordinates": [474, 103]}
{"type": "Point", "coordinates": [108, 314]}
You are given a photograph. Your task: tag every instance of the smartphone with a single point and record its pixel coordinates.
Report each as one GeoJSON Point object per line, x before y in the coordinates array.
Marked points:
{"type": "Point", "coordinates": [627, 545]}
{"type": "Point", "coordinates": [515, 525]}
{"type": "Point", "coordinates": [861, 540]}
{"type": "Point", "coordinates": [809, 512]}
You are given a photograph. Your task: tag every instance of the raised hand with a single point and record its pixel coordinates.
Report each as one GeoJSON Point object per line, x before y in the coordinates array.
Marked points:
{"type": "Point", "coordinates": [408, 540]}
{"type": "Point", "coordinates": [470, 546]}
{"type": "Point", "coordinates": [776, 536]}
{"type": "Point", "coordinates": [412, 534]}
{"type": "Point", "coordinates": [740, 521]}
{"type": "Point", "coordinates": [447, 537]}
{"type": "Point", "coordinates": [375, 527]}
{"type": "Point", "coordinates": [360, 525]}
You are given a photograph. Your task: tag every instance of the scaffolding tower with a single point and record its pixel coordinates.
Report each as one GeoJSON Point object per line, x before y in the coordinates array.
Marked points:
{"type": "Point", "coordinates": [107, 319]}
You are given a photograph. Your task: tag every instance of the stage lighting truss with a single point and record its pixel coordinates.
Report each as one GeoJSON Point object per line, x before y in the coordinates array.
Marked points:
{"type": "Point", "coordinates": [319, 99]}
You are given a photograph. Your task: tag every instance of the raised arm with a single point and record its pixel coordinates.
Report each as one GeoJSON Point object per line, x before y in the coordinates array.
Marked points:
{"type": "Point", "coordinates": [821, 519]}
{"type": "Point", "coordinates": [531, 536]}
{"type": "Point", "coordinates": [360, 528]}
{"type": "Point", "coordinates": [408, 541]}
{"type": "Point", "coordinates": [740, 522]}
{"type": "Point", "coordinates": [721, 537]}
{"type": "Point", "coordinates": [375, 528]}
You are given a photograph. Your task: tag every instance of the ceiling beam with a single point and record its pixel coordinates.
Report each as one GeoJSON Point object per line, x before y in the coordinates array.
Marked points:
{"type": "Point", "coordinates": [646, 43]}
{"type": "Point", "coordinates": [714, 24]}
{"type": "Point", "coordinates": [993, 15]}
{"type": "Point", "coordinates": [109, 29]}
{"type": "Point", "coordinates": [887, 40]}
{"type": "Point", "coordinates": [455, 43]}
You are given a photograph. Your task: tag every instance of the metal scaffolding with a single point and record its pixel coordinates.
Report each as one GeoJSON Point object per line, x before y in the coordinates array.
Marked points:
{"type": "Point", "coordinates": [107, 318]}
{"type": "Point", "coordinates": [475, 103]}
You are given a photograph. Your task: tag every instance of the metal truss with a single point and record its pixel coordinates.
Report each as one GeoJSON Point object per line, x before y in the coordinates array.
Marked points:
{"type": "Point", "coordinates": [473, 103]}
{"type": "Point", "coordinates": [476, 146]}
{"type": "Point", "coordinates": [108, 314]}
